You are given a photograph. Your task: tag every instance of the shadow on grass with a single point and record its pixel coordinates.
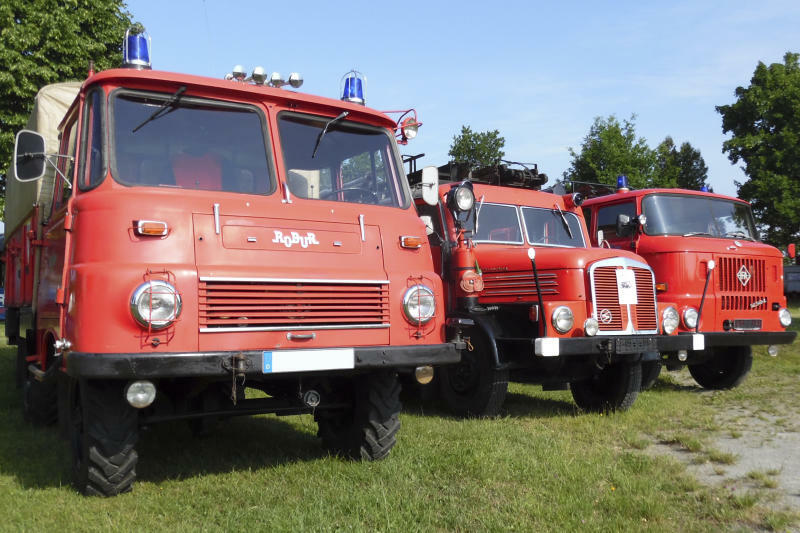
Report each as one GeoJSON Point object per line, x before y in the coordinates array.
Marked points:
{"type": "Point", "coordinates": [671, 386]}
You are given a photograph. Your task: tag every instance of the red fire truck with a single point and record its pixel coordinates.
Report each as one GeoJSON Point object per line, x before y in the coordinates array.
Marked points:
{"type": "Point", "coordinates": [546, 307]}
{"type": "Point", "coordinates": [199, 236]}
{"type": "Point", "coordinates": [706, 256]}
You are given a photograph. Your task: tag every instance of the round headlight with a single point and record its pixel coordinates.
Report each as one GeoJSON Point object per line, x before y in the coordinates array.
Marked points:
{"type": "Point", "coordinates": [419, 304]}
{"type": "Point", "coordinates": [465, 198]}
{"type": "Point", "coordinates": [563, 319]}
{"type": "Point", "coordinates": [155, 304]}
{"type": "Point", "coordinates": [591, 327]}
{"type": "Point", "coordinates": [785, 317]}
{"type": "Point", "coordinates": [669, 320]}
{"type": "Point", "coordinates": [690, 317]}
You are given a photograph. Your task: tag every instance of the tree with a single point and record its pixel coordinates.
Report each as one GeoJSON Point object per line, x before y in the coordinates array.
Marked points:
{"type": "Point", "coordinates": [684, 168]}
{"type": "Point", "coordinates": [477, 149]}
{"type": "Point", "coordinates": [764, 123]}
{"type": "Point", "coordinates": [611, 149]}
{"type": "Point", "coordinates": [49, 41]}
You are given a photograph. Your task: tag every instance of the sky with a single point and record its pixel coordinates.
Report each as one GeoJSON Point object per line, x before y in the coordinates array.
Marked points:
{"type": "Point", "coordinates": [538, 72]}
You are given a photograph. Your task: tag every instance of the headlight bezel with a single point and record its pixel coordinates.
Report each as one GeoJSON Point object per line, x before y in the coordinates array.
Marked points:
{"type": "Point", "coordinates": [464, 198]}
{"type": "Point", "coordinates": [562, 313]}
{"type": "Point", "coordinates": [164, 288]}
{"type": "Point", "coordinates": [408, 299]}
{"type": "Point", "coordinates": [670, 320]}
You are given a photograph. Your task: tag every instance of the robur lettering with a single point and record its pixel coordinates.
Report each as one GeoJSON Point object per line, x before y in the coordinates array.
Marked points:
{"type": "Point", "coordinates": [295, 238]}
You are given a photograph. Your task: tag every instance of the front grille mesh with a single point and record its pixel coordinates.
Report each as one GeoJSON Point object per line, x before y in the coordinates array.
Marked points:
{"type": "Point", "coordinates": [613, 316]}
{"type": "Point", "coordinates": [288, 305]}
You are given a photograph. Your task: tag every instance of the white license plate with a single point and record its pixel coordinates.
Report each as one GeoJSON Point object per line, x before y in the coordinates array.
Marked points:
{"type": "Point", "coordinates": [307, 360]}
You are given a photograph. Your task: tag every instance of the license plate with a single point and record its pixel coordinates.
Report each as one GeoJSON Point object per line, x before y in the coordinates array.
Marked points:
{"type": "Point", "coordinates": [307, 360]}
{"type": "Point", "coordinates": [637, 345]}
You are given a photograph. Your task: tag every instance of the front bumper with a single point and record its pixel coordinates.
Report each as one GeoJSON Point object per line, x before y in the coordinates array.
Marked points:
{"type": "Point", "coordinates": [748, 338]}
{"type": "Point", "coordinates": [254, 362]}
{"type": "Point", "coordinates": [622, 345]}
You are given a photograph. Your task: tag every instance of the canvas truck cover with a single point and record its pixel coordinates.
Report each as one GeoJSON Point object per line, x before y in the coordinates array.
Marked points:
{"type": "Point", "coordinates": [50, 105]}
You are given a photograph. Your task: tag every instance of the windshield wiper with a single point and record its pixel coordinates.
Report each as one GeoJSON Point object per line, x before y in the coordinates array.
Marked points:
{"type": "Point", "coordinates": [325, 130]}
{"type": "Point", "coordinates": [564, 220]}
{"type": "Point", "coordinates": [694, 233]}
{"type": "Point", "coordinates": [166, 108]}
{"type": "Point", "coordinates": [737, 235]}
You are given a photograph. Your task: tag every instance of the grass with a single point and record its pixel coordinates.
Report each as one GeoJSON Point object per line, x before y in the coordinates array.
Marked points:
{"type": "Point", "coordinates": [541, 466]}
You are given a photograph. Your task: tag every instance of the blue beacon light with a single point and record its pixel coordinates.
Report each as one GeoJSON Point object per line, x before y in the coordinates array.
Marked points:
{"type": "Point", "coordinates": [352, 87]}
{"type": "Point", "coordinates": [622, 182]}
{"type": "Point", "coordinates": [136, 48]}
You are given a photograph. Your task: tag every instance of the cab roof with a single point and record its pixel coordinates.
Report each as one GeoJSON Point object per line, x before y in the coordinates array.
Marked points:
{"type": "Point", "coordinates": [638, 193]}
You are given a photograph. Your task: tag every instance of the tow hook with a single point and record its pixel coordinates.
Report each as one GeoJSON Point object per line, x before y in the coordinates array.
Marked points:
{"type": "Point", "coordinates": [237, 366]}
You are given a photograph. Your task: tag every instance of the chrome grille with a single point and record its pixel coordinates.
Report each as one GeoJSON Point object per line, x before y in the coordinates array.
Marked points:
{"type": "Point", "coordinates": [518, 283]}
{"type": "Point", "coordinates": [612, 316]}
{"type": "Point", "coordinates": [282, 305]}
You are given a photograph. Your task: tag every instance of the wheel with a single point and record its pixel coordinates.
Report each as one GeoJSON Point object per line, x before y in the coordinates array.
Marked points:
{"type": "Point", "coordinates": [614, 388]}
{"type": "Point", "coordinates": [650, 373]}
{"type": "Point", "coordinates": [22, 364]}
{"type": "Point", "coordinates": [103, 430]}
{"type": "Point", "coordinates": [726, 369]}
{"type": "Point", "coordinates": [39, 398]}
{"type": "Point", "coordinates": [367, 430]}
{"type": "Point", "coordinates": [474, 387]}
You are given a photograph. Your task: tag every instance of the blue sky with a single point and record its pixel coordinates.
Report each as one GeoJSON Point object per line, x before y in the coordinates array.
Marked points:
{"type": "Point", "coordinates": [538, 72]}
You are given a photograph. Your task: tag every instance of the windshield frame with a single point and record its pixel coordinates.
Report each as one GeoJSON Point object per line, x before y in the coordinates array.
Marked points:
{"type": "Point", "coordinates": [402, 180]}
{"type": "Point", "coordinates": [554, 211]}
{"type": "Point", "coordinates": [733, 202]}
{"type": "Point", "coordinates": [188, 101]}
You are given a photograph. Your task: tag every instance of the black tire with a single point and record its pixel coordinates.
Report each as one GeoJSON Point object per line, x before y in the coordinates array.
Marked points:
{"type": "Point", "coordinates": [614, 388]}
{"type": "Point", "coordinates": [103, 430]}
{"type": "Point", "coordinates": [650, 372]}
{"type": "Point", "coordinates": [474, 387]}
{"type": "Point", "coordinates": [726, 369]}
{"type": "Point", "coordinates": [22, 364]}
{"type": "Point", "coordinates": [367, 430]}
{"type": "Point", "coordinates": [39, 398]}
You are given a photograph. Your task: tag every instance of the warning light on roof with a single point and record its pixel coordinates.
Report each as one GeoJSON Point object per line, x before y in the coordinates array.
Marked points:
{"type": "Point", "coordinates": [622, 183]}
{"type": "Point", "coordinates": [704, 189]}
{"type": "Point", "coordinates": [352, 87]}
{"type": "Point", "coordinates": [136, 48]}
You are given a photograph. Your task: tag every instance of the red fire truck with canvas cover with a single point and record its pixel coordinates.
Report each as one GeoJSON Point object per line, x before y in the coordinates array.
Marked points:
{"type": "Point", "coordinates": [199, 236]}
{"type": "Point", "coordinates": [707, 258]}
{"type": "Point", "coordinates": [546, 307]}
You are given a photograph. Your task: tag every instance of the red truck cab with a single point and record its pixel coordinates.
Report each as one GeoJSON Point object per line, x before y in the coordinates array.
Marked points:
{"type": "Point", "coordinates": [706, 256]}
{"type": "Point", "coordinates": [547, 308]}
{"type": "Point", "coordinates": [200, 236]}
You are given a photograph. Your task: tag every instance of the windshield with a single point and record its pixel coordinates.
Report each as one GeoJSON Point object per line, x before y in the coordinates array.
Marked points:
{"type": "Point", "coordinates": [697, 216]}
{"type": "Point", "coordinates": [551, 227]}
{"type": "Point", "coordinates": [348, 163]}
{"type": "Point", "coordinates": [189, 144]}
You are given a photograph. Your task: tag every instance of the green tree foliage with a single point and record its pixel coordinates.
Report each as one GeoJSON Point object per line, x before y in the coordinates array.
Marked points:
{"type": "Point", "coordinates": [49, 41]}
{"type": "Point", "coordinates": [764, 124]}
{"type": "Point", "coordinates": [684, 168]}
{"type": "Point", "coordinates": [477, 149]}
{"type": "Point", "coordinates": [609, 149]}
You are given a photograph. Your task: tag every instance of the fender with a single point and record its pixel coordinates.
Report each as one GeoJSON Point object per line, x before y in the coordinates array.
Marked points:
{"type": "Point", "coordinates": [486, 328]}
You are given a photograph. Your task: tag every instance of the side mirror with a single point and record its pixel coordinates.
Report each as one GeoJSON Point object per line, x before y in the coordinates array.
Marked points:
{"type": "Point", "coordinates": [430, 185]}
{"type": "Point", "coordinates": [624, 227]}
{"type": "Point", "coordinates": [29, 156]}
{"type": "Point", "coordinates": [600, 237]}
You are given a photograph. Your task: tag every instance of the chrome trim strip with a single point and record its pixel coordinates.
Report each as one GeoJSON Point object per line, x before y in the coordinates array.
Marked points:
{"type": "Point", "coordinates": [361, 223]}
{"type": "Point", "coordinates": [292, 328]}
{"type": "Point", "coordinates": [298, 280]}
{"type": "Point", "coordinates": [216, 218]}
{"type": "Point", "coordinates": [626, 263]}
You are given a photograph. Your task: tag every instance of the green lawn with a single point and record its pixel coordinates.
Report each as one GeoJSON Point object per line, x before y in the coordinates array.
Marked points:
{"type": "Point", "coordinates": [542, 466]}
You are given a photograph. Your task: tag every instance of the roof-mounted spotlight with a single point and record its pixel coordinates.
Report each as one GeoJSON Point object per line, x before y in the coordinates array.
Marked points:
{"type": "Point", "coordinates": [259, 77]}
{"type": "Point", "coordinates": [406, 126]}
{"type": "Point", "coordinates": [352, 87]}
{"type": "Point", "coordinates": [295, 80]}
{"type": "Point", "coordinates": [237, 74]}
{"type": "Point", "coordinates": [136, 48]}
{"type": "Point", "coordinates": [276, 80]}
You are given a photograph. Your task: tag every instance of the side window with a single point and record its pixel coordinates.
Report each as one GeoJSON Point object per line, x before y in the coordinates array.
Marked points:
{"type": "Point", "coordinates": [66, 165]}
{"type": "Point", "coordinates": [607, 218]}
{"type": "Point", "coordinates": [92, 160]}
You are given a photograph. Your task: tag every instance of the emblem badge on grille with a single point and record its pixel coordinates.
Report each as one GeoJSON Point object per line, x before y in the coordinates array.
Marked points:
{"type": "Point", "coordinates": [744, 276]}
{"type": "Point", "coordinates": [605, 316]}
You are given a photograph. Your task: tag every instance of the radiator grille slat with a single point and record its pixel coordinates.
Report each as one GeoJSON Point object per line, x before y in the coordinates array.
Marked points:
{"type": "Point", "coordinates": [613, 316]}
{"type": "Point", "coordinates": [275, 304]}
{"type": "Point", "coordinates": [518, 283]}
{"type": "Point", "coordinates": [742, 282]}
